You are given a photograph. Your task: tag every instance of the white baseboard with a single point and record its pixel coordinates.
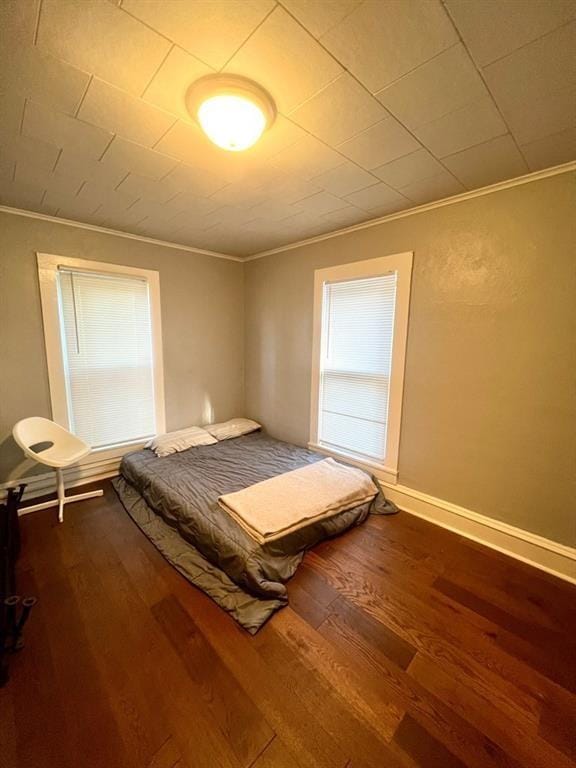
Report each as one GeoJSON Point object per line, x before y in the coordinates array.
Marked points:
{"type": "Point", "coordinates": [45, 483]}
{"type": "Point", "coordinates": [550, 556]}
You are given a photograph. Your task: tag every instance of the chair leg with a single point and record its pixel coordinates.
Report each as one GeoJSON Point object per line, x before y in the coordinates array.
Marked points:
{"type": "Point", "coordinates": [81, 496]}
{"type": "Point", "coordinates": [61, 494]}
{"type": "Point", "coordinates": [61, 498]}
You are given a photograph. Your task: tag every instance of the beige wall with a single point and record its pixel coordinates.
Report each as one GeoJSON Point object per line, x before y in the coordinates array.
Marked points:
{"type": "Point", "coordinates": [489, 418]}
{"type": "Point", "coordinates": [489, 414]}
{"type": "Point", "coordinates": [202, 318]}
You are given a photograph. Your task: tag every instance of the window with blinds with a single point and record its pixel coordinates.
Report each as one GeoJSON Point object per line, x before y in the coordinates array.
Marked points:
{"type": "Point", "coordinates": [355, 365]}
{"type": "Point", "coordinates": [106, 335]}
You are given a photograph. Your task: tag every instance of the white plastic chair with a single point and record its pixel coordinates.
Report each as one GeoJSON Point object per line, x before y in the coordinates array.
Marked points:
{"type": "Point", "coordinates": [50, 444]}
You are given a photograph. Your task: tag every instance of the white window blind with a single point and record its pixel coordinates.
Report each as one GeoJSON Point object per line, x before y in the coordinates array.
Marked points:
{"type": "Point", "coordinates": [108, 358]}
{"type": "Point", "coordinates": [355, 365]}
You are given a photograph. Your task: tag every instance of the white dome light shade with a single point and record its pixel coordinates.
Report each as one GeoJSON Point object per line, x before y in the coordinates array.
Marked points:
{"type": "Point", "coordinates": [231, 110]}
{"type": "Point", "coordinates": [231, 122]}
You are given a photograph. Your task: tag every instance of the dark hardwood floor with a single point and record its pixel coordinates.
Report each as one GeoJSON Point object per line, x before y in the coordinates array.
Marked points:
{"type": "Point", "coordinates": [403, 645]}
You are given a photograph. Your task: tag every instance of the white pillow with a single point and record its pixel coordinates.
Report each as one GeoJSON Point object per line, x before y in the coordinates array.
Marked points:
{"type": "Point", "coordinates": [173, 442]}
{"type": "Point", "coordinates": [232, 428]}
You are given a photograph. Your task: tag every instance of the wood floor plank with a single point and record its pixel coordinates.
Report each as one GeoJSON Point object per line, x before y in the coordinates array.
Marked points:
{"type": "Point", "coordinates": [167, 756]}
{"type": "Point", "coordinates": [161, 678]}
{"type": "Point", "coordinates": [405, 646]}
{"type": "Point", "coordinates": [552, 652]}
{"type": "Point", "coordinates": [440, 636]}
{"type": "Point", "coordinates": [131, 700]}
{"type": "Point", "coordinates": [29, 698]}
{"type": "Point", "coordinates": [364, 742]}
{"type": "Point", "coordinates": [380, 712]}
{"type": "Point", "coordinates": [459, 736]}
{"type": "Point", "coordinates": [276, 755]}
{"type": "Point", "coordinates": [554, 640]}
{"type": "Point", "coordinates": [296, 727]}
{"type": "Point", "coordinates": [373, 634]}
{"type": "Point", "coordinates": [299, 731]}
{"type": "Point", "coordinates": [386, 559]}
{"type": "Point", "coordinates": [90, 729]}
{"type": "Point", "coordinates": [306, 577]}
{"type": "Point", "coordinates": [306, 606]}
{"type": "Point", "coordinates": [501, 582]}
{"type": "Point", "coordinates": [425, 750]}
{"type": "Point", "coordinates": [163, 674]}
{"type": "Point", "coordinates": [526, 746]}
{"type": "Point", "coordinates": [9, 749]}
{"type": "Point", "coordinates": [416, 538]}
{"type": "Point", "coordinates": [558, 721]}
{"type": "Point", "coordinates": [237, 716]}
{"type": "Point", "coordinates": [524, 581]}
{"type": "Point", "coordinates": [512, 665]}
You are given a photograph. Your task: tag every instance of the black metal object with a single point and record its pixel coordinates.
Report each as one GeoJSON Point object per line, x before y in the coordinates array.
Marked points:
{"type": "Point", "coordinates": [14, 610]}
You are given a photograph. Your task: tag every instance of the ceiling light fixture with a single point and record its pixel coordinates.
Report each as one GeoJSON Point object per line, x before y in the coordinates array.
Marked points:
{"type": "Point", "coordinates": [233, 111]}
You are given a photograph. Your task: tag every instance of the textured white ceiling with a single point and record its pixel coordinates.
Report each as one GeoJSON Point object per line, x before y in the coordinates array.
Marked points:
{"type": "Point", "coordinates": [383, 105]}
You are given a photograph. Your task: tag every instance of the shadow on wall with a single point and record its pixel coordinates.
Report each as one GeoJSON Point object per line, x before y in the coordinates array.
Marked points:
{"type": "Point", "coordinates": [13, 464]}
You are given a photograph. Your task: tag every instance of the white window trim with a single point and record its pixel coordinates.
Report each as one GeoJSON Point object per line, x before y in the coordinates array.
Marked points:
{"type": "Point", "coordinates": [48, 265]}
{"type": "Point", "coordinates": [401, 263]}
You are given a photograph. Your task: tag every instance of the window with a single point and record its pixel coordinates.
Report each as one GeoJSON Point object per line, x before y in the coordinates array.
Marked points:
{"type": "Point", "coordinates": [360, 327]}
{"type": "Point", "coordinates": [102, 328]}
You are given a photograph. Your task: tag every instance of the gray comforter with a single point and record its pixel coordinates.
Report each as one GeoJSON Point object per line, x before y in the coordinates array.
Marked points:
{"type": "Point", "coordinates": [243, 576]}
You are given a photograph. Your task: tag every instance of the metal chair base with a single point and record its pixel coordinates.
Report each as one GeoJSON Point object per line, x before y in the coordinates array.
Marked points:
{"type": "Point", "coordinates": [62, 499]}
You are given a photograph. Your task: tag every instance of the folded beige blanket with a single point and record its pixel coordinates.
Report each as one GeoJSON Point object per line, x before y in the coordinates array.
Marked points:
{"type": "Point", "coordinates": [274, 508]}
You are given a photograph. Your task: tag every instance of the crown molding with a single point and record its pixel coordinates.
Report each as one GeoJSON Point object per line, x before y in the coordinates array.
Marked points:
{"type": "Point", "coordinates": [115, 232]}
{"type": "Point", "coordinates": [498, 187]}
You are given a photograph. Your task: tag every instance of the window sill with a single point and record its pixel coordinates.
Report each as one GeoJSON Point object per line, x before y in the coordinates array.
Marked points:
{"type": "Point", "coordinates": [121, 447]}
{"type": "Point", "coordinates": [114, 451]}
{"type": "Point", "coordinates": [381, 471]}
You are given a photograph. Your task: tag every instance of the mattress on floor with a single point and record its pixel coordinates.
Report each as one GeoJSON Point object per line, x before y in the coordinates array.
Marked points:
{"type": "Point", "coordinates": [182, 490]}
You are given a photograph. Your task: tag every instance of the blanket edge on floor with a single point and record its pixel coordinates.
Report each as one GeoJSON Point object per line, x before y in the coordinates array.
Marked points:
{"type": "Point", "coordinates": [247, 610]}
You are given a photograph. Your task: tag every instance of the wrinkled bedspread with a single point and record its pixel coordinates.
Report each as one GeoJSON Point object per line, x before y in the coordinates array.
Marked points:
{"type": "Point", "coordinates": [183, 489]}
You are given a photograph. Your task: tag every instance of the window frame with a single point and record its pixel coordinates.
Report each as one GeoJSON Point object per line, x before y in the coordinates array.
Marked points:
{"type": "Point", "coordinates": [48, 267]}
{"type": "Point", "coordinates": [401, 264]}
